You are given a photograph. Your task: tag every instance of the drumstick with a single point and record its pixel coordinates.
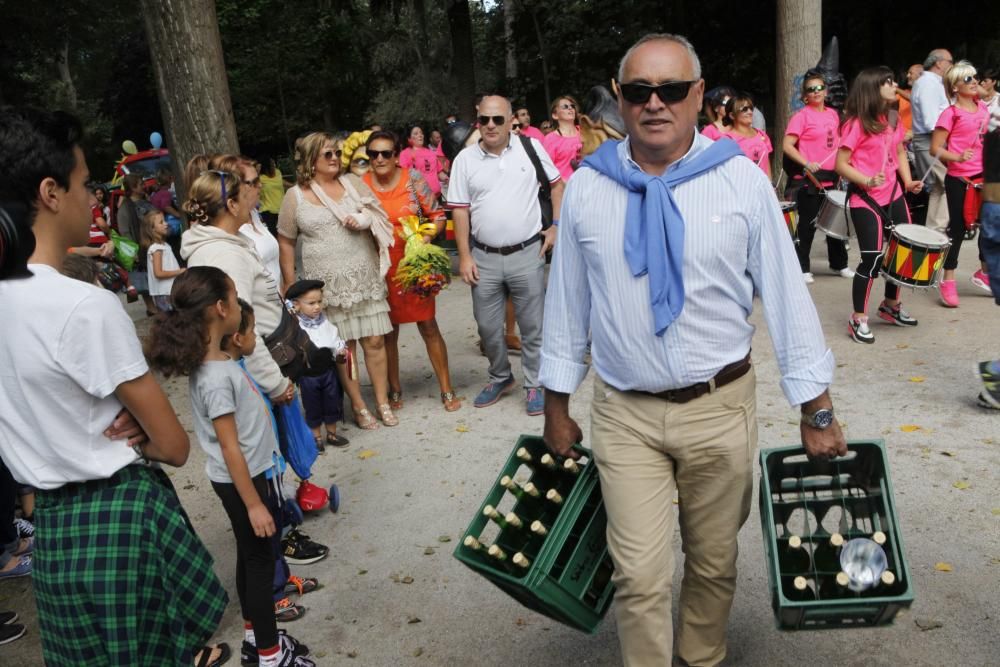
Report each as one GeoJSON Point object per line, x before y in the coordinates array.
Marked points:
{"type": "Point", "coordinates": [815, 182]}
{"type": "Point", "coordinates": [928, 172]}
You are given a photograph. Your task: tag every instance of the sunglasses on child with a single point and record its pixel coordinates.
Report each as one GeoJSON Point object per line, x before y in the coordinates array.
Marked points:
{"type": "Point", "coordinates": [816, 89]}
{"type": "Point", "coordinates": [497, 120]}
{"type": "Point", "coordinates": [669, 92]}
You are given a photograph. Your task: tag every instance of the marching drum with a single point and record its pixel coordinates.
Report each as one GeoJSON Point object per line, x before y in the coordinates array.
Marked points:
{"type": "Point", "coordinates": [914, 256]}
{"type": "Point", "coordinates": [790, 210]}
{"type": "Point", "coordinates": [833, 215]}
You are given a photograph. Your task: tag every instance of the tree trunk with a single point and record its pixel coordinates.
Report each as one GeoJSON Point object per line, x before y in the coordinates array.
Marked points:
{"type": "Point", "coordinates": [463, 64]}
{"type": "Point", "coordinates": [191, 78]}
{"type": "Point", "coordinates": [799, 47]}
{"type": "Point", "coordinates": [509, 44]}
{"type": "Point", "coordinates": [63, 65]}
{"type": "Point", "coordinates": [545, 61]}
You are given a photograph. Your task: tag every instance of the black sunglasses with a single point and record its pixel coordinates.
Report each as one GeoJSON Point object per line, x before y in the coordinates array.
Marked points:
{"type": "Point", "coordinates": [970, 79]}
{"type": "Point", "coordinates": [255, 183]}
{"type": "Point", "coordinates": [328, 155]}
{"type": "Point", "coordinates": [384, 154]}
{"type": "Point", "coordinates": [816, 89]}
{"type": "Point", "coordinates": [744, 109]}
{"type": "Point", "coordinates": [497, 120]}
{"type": "Point", "coordinates": [669, 92]}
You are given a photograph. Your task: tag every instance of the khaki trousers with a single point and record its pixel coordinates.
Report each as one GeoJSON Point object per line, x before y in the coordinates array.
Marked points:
{"type": "Point", "coordinates": [648, 451]}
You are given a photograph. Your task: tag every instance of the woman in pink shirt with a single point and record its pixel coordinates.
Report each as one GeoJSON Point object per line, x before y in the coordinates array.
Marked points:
{"type": "Point", "coordinates": [958, 142]}
{"type": "Point", "coordinates": [870, 156]}
{"type": "Point", "coordinates": [564, 144]}
{"type": "Point", "coordinates": [810, 142]}
{"type": "Point", "coordinates": [421, 158]}
{"type": "Point", "coordinates": [755, 144]}
{"type": "Point", "coordinates": [715, 111]}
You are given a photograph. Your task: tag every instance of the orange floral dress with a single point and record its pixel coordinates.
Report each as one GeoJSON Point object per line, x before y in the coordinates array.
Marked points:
{"type": "Point", "coordinates": [411, 196]}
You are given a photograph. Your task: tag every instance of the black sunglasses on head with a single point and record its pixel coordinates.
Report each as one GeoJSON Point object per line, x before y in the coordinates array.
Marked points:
{"type": "Point", "coordinates": [497, 120]}
{"type": "Point", "coordinates": [372, 155]}
{"type": "Point", "coordinates": [669, 92]}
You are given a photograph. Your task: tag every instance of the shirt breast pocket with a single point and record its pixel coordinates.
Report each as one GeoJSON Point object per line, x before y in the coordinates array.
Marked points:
{"type": "Point", "coordinates": [719, 236]}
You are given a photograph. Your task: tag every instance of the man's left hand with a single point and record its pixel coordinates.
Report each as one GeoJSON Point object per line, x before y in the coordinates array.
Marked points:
{"type": "Point", "coordinates": [823, 444]}
{"type": "Point", "coordinates": [548, 240]}
{"type": "Point", "coordinates": [125, 426]}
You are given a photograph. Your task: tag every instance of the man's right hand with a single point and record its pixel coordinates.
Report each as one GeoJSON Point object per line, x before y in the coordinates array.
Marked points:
{"type": "Point", "coordinates": [561, 431]}
{"type": "Point", "coordinates": [468, 270]}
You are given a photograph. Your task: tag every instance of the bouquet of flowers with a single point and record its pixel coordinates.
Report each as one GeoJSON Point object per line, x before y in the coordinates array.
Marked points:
{"type": "Point", "coordinates": [425, 268]}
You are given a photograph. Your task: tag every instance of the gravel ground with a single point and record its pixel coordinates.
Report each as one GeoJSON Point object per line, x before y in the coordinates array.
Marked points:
{"type": "Point", "coordinates": [404, 488]}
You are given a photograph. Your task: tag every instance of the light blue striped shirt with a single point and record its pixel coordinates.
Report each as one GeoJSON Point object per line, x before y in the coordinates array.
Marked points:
{"type": "Point", "coordinates": [736, 245]}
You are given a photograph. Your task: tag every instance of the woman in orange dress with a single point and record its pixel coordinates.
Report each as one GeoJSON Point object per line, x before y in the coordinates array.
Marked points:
{"type": "Point", "coordinates": [404, 192]}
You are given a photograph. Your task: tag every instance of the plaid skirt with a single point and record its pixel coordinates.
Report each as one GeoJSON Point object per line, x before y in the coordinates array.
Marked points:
{"type": "Point", "coordinates": [120, 576]}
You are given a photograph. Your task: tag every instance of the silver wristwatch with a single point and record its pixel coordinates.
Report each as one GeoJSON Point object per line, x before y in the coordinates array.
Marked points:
{"type": "Point", "coordinates": [820, 419]}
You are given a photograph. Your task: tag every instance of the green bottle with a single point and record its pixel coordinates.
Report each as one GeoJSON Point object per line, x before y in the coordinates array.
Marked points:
{"type": "Point", "coordinates": [800, 591]}
{"type": "Point", "coordinates": [834, 587]}
{"type": "Point", "coordinates": [490, 511]}
{"type": "Point", "coordinates": [793, 557]}
{"type": "Point", "coordinates": [826, 555]}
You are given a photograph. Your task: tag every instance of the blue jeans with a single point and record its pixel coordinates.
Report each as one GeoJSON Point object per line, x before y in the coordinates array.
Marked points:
{"type": "Point", "coordinates": [989, 243]}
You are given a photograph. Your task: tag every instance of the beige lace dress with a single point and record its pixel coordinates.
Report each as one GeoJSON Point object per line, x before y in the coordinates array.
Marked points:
{"type": "Point", "coordinates": [347, 261]}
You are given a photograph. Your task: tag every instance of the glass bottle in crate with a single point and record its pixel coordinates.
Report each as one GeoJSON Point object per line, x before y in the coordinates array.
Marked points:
{"type": "Point", "coordinates": [792, 556]}
{"type": "Point", "coordinates": [834, 587]}
{"type": "Point", "coordinates": [826, 553]}
{"type": "Point", "coordinates": [800, 590]}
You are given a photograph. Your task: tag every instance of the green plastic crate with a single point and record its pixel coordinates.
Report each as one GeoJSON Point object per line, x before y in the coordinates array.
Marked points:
{"type": "Point", "coordinates": [812, 499]}
{"type": "Point", "coordinates": [569, 578]}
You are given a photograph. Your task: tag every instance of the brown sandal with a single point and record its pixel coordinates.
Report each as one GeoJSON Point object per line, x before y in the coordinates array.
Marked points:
{"type": "Point", "coordinates": [451, 402]}
{"type": "Point", "coordinates": [385, 413]}
{"type": "Point", "coordinates": [365, 420]}
{"type": "Point", "coordinates": [396, 400]}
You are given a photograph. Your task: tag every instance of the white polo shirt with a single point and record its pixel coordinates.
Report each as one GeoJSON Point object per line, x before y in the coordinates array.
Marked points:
{"type": "Point", "coordinates": [65, 345]}
{"type": "Point", "coordinates": [501, 191]}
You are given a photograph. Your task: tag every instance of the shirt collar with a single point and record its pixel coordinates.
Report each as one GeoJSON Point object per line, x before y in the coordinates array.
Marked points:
{"type": "Point", "coordinates": [483, 153]}
{"type": "Point", "coordinates": [700, 143]}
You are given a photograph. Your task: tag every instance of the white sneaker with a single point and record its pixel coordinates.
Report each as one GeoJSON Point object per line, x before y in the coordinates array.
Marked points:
{"type": "Point", "coordinates": [846, 272]}
{"type": "Point", "coordinates": [808, 278]}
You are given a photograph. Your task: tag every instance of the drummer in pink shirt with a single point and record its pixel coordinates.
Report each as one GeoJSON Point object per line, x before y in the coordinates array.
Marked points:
{"type": "Point", "coordinates": [564, 144]}
{"type": "Point", "coordinates": [810, 143]}
{"type": "Point", "coordinates": [523, 118]}
{"type": "Point", "coordinates": [755, 144]}
{"type": "Point", "coordinates": [958, 142]}
{"type": "Point", "coordinates": [421, 158]}
{"type": "Point", "coordinates": [870, 156]}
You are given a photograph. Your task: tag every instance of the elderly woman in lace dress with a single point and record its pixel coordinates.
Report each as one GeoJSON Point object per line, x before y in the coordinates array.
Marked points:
{"type": "Point", "coordinates": [345, 240]}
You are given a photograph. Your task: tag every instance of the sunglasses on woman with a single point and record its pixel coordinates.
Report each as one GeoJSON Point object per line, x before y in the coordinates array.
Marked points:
{"type": "Point", "coordinates": [970, 79]}
{"type": "Point", "coordinates": [497, 120]}
{"type": "Point", "coordinates": [889, 81]}
{"type": "Point", "coordinates": [328, 155]}
{"type": "Point", "coordinates": [745, 109]}
{"type": "Point", "coordinates": [816, 89]}
{"type": "Point", "coordinates": [374, 155]}
{"type": "Point", "coordinates": [567, 106]}
{"type": "Point", "coordinates": [639, 93]}
{"type": "Point", "coordinates": [255, 183]}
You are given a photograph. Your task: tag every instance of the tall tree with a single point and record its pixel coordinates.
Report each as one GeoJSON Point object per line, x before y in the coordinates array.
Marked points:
{"type": "Point", "coordinates": [463, 61]}
{"type": "Point", "coordinates": [186, 51]}
{"type": "Point", "coordinates": [799, 42]}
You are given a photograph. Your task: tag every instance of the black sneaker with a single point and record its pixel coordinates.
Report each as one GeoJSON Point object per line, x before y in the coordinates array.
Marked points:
{"type": "Point", "coordinates": [11, 632]}
{"type": "Point", "coordinates": [288, 643]}
{"type": "Point", "coordinates": [300, 550]}
{"type": "Point", "coordinates": [7, 617]}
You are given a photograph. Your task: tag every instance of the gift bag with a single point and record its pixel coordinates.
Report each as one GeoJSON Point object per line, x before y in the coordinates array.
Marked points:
{"type": "Point", "coordinates": [126, 250]}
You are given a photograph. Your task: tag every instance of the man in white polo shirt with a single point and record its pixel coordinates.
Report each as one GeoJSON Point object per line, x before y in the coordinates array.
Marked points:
{"type": "Point", "coordinates": [929, 99]}
{"type": "Point", "coordinates": [501, 244]}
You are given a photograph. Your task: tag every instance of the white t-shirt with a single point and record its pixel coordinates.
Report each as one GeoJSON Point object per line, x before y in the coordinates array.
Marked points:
{"type": "Point", "coordinates": [267, 246]}
{"type": "Point", "coordinates": [168, 262]}
{"type": "Point", "coordinates": [65, 345]}
{"type": "Point", "coordinates": [501, 192]}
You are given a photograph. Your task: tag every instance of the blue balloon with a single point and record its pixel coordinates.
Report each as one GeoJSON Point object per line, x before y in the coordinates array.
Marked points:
{"type": "Point", "coordinates": [156, 140]}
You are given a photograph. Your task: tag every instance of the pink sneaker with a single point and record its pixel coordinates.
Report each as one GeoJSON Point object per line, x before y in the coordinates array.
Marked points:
{"type": "Point", "coordinates": [949, 293]}
{"type": "Point", "coordinates": [981, 280]}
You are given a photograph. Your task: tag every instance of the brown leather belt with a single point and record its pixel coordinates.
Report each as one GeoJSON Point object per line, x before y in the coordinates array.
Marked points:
{"type": "Point", "coordinates": [729, 373]}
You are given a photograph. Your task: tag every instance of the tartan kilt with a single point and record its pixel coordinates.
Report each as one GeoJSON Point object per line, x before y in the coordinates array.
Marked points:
{"type": "Point", "coordinates": [120, 576]}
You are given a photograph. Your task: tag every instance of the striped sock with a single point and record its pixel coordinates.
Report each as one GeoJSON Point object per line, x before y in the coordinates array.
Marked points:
{"type": "Point", "coordinates": [270, 657]}
{"type": "Point", "coordinates": [248, 635]}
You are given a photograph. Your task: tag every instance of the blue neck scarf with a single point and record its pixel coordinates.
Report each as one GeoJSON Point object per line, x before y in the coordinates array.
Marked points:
{"type": "Point", "coordinates": [654, 227]}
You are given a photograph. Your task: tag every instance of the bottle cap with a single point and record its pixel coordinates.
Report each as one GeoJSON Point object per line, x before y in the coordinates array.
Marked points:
{"type": "Point", "coordinates": [531, 489]}
{"type": "Point", "coordinates": [489, 511]}
{"type": "Point", "coordinates": [548, 461]}
{"type": "Point", "coordinates": [513, 520]}
{"type": "Point", "coordinates": [538, 527]}
{"type": "Point", "coordinates": [837, 540]}
{"type": "Point", "coordinates": [879, 538]}
{"type": "Point", "coordinates": [554, 496]}
{"type": "Point", "coordinates": [842, 579]}
{"type": "Point", "coordinates": [795, 542]}
{"type": "Point", "coordinates": [800, 583]}
{"type": "Point", "coordinates": [472, 542]}
{"type": "Point", "coordinates": [523, 454]}
{"type": "Point", "coordinates": [506, 481]}
{"type": "Point", "coordinates": [888, 578]}
{"type": "Point", "coordinates": [496, 552]}
{"type": "Point", "coordinates": [520, 560]}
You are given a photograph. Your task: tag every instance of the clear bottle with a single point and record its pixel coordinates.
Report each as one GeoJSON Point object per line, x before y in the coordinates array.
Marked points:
{"type": "Point", "coordinates": [863, 561]}
{"type": "Point", "coordinates": [792, 556]}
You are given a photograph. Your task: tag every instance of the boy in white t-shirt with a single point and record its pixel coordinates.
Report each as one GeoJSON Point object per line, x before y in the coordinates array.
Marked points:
{"type": "Point", "coordinates": [322, 395]}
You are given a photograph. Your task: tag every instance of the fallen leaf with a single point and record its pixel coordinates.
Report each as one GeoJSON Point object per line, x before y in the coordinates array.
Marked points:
{"type": "Point", "coordinates": [366, 454]}
{"type": "Point", "coordinates": [320, 654]}
{"type": "Point", "coordinates": [407, 580]}
{"type": "Point", "coordinates": [927, 623]}
{"type": "Point", "coordinates": [943, 567]}
{"type": "Point", "coordinates": [995, 511]}
{"type": "Point", "coordinates": [909, 428]}
{"type": "Point", "coordinates": [408, 494]}
{"type": "Point", "coordinates": [362, 572]}
{"type": "Point", "coordinates": [429, 551]}
{"type": "Point", "coordinates": [413, 619]}
{"type": "Point", "coordinates": [520, 621]}
{"type": "Point", "coordinates": [462, 428]}
{"type": "Point", "coordinates": [444, 538]}
{"type": "Point", "coordinates": [947, 453]}
{"type": "Point", "coordinates": [917, 378]}
{"type": "Point", "coordinates": [961, 485]}
{"type": "Point", "coordinates": [901, 346]}
{"type": "Point", "coordinates": [417, 652]}
{"type": "Point", "coordinates": [676, 502]}
{"type": "Point", "coordinates": [352, 654]}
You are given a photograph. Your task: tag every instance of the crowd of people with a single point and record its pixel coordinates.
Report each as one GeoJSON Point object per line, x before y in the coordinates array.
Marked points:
{"type": "Point", "coordinates": [263, 290]}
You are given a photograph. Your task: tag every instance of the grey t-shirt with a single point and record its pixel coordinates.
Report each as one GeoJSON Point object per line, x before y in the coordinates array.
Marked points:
{"type": "Point", "coordinates": [221, 388]}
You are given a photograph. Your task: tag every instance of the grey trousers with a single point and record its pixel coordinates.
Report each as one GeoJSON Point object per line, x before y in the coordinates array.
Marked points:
{"type": "Point", "coordinates": [522, 276]}
{"type": "Point", "coordinates": [937, 205]}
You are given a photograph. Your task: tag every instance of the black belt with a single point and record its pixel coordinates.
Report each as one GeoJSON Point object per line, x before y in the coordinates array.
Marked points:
{"type": "Point", "coordinates": [730, 373]}
{"type": "Point", "coordinates": [507, 249]}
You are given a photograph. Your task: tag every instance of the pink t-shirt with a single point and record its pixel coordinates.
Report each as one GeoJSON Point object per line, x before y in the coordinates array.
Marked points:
{"type": "Point", "coordinates": [818, 135]}
{"type": "Point", "coordinates": [712, 132]}
{"type": "Point", "coordinates": [757, 148]}
{"type": "Point", "coordinates": [533, 132]}
{"type": "Point", "coordinates": [425, 161]}
{"type": "Point", "coordinates": [871, 154]}
{"type": "Point", "coordinates": [563, 150]}
{"type": "Point", "coordinates": [965, 130]}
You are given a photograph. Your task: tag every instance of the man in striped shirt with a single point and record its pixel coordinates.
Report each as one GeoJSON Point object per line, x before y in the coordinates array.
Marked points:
{"type": "Point", "coordinates": [674, 411]}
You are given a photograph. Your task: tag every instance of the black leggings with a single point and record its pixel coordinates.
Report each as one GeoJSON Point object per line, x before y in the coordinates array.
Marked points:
{"type": "Point", "coordinates": [954, 189]}
{"type": "Point", "coordinates": [254, 562]}
{"type": "Point", "coordinates": [873, 234]}
{"type": "Point", "coordinates": [809, 205]}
